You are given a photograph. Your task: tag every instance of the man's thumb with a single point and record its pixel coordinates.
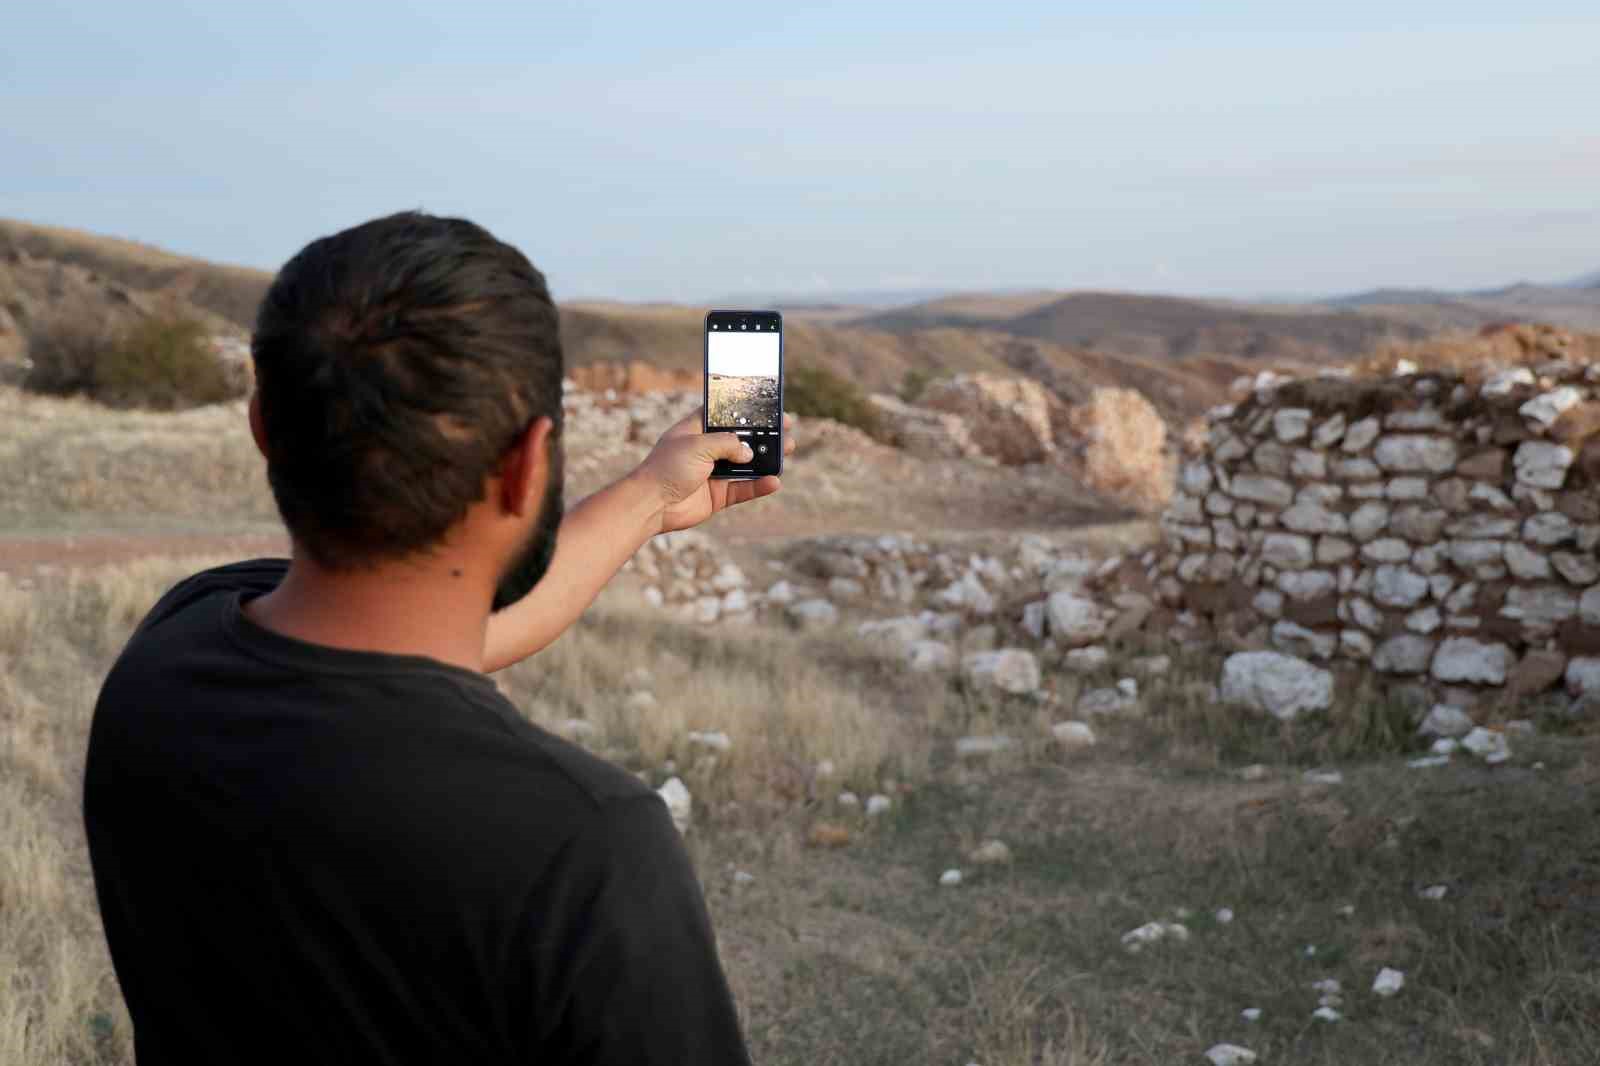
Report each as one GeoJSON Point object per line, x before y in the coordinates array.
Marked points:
{"type": "Point", "coordinates": [729, 446]}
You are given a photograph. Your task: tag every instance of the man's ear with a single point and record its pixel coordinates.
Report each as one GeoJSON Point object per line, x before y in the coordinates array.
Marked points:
{"type": "Point", "coordinates": [258, 430]}
{"type": "Point", "coordinates": [525, 468]}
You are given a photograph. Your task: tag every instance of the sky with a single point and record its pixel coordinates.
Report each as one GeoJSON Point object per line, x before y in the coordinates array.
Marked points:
{"type": "Point", "coordinates": [743, 354]}
{"type": "Point", "coordinates": [686, 151]}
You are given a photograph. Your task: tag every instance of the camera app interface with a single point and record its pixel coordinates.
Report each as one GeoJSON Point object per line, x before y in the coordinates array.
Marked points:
{"type": "Point", "coordinates": [742, 377]}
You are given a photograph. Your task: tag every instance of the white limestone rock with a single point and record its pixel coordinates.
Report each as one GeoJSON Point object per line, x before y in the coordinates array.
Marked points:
{"type": "Point", "coordinates": [1033, 618]}
{"type": "Point", "coordinates": [1589, 606]}
{"type": "Point", "coordinates": [1135, 940]}
{"type": "Point", "coordinates": [1368, 520]}
{"type": "Point", "coordinates": [1106, 701]}
{"type": "Point", "coordinates": [1074, 620]}
{"type": "Point", "coordinates": [1290, 424]}
{"type": "Point", "coordinates": [679, 803]}
{"type": "Point", "coordinates": [1289, 551]}
{"type": "Point", "coordinates": [1548, 528]}
{"type": "Point", "coordinates": [1404, 653]}
{"type": "Point", "coordinates": [1582, 675]}
{"type": "Point", "coordinates": [1525, 563]}
{"type": "Point", "coordinates": [1013, 670]}
{"type": "Point", "coordinates": [1487, 744]}
{"type": "Point", "coordinates": [1276, 684]}
{"type": "Point", "coordinates": [1503, 382]}
{"type": "Point", "coordinates": [1260, 488]}
{"type": "Point", "coordinates": [813, 614]}
{"type": "Point", "coordinates": [929, 655]}
{"type": "Point", "coordinates": [1446, 721]}
{"type": "Point", "coordinates": [1360, 435]}
{"type": "Point", "coordinates": [1408, 453]}
{"type": "Point", "coordinates": [1398, 586]}
{"type": "Point", "coordinates": [1543, 605]}
{"type": "Point", "coordinates": [1330, 431]}
{"type": "Point", "coordinates": [1541, 464]}
{"type": "Point", "coordinates": [1086, 660]}
{"type": "Point", "coordinates": [1306, 585]}
{"type": "Point", "coordinates": [1073, 734]}
{"type": "Point", "coordinates": [1467, 659]}
{"type": "Point", "coordinates": [1230, 1055]}
{"type": "Point", "coordinates": [976, 747]}
{"type": "Point", "coordinates": [1388, 982]}
{"type": "Point", "coordinates": [1545, 408]}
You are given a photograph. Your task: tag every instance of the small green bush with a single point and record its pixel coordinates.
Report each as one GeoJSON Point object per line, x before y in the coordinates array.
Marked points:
{"type": "Point", "coordinates": [163, 361]}
{"type": "Point", "coordinates": [916, 381]}
{"type": "Point", "coordinates": [818, 392]}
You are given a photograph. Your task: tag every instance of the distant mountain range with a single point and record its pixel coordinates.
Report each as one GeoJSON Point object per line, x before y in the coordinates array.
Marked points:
{"type": "Point", "coordinates": [1574, 304]}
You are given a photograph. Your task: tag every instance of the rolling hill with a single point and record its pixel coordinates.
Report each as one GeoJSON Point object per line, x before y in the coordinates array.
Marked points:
{"type": "Point", "coordinates": [1161, 327]}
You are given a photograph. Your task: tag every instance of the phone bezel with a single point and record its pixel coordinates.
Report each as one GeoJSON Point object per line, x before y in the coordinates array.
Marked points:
{"type": "Point", "coordinates": [735, 317]}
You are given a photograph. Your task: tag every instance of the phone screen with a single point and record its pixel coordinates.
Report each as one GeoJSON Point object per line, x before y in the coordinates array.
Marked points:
{"type": "Point", "coordinates": [744, 387]}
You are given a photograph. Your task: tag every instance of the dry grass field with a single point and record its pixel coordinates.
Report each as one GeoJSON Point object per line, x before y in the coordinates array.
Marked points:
{"type": "Point", "coordinates": [855, 953]}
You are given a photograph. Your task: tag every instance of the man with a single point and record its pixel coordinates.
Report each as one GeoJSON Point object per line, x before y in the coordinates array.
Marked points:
{"type": "Point", "coordinates": [319, 833]}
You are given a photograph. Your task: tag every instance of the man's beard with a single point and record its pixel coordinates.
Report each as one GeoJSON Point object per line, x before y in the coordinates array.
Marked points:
{"type": "Point", "coordinates": [530, 565]}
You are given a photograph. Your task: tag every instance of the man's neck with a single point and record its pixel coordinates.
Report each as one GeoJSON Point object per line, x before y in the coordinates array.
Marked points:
{"type": "Point", "coordinates": [426, 609]}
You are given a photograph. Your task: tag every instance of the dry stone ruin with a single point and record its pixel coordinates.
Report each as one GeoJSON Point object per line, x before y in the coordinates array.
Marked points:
{"type": "Point", "coordinates": [1439, 529]}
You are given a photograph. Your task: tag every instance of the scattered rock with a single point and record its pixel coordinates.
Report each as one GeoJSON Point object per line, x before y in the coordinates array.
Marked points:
{"type": "Point", "coordinates": [967, 747]}
{"type": "Point", "coordinates": [1230, 1054]}
{"type": "Point", "coordinates": [1074, 620]}
{"type": "Point", "coordinates": [1487, 744]}
{"type": "Point", "coordinates": [1086, 660]}
{"type": "Point", "coordinates": [991, 853]}
{"type": "Point", "coordinates": [1434, 892]}
{"type": "Point", "coordinates": [1012, 670]}
{"type": "Point", "coordinates": [717, 741]}
{"type": "Point", "coordinates": [1276, 684]}
{"type": "Point", "coordinates": [828, 835]}
{"type": "Point", "coordinates": [1251, 1014]}
{"type": "Point", "coordinates": [877, 804]}
{"type": "Point", "coordinates": [1326, 1014]}
{"type": "Point", "coordinates": [1137, 939]}
{"type": "Point", "coordinates": [813, 614]}
{"type": "Point", "coordinates": [1446, 721]}
{"type": "Point", "coordinates": [679, 803]}
{"type": "Point", "coordinates": [950, 877]}
{"type": "Point", "coordinates": [1073, 734]}
{"type": "Point", "coordinates": [1105, 701]}
{"type": "Point", "coordinates": [1388, 982]}
{"type": "Point", "coordinates": [1323, 777]}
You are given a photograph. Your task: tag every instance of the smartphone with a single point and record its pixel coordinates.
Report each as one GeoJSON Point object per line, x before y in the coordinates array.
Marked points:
{"type": "Point", "coordinates": [744, 388]}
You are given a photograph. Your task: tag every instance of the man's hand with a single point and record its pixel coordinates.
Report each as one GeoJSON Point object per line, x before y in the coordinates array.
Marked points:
{"type": "Point", "coordinates": [679, 468]}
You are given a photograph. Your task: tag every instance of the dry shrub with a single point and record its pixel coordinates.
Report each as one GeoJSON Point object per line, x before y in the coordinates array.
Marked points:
{"type": "Point", "coordinates": [162, 361]}
{"type": "Point", "coordinates": [818, 392]}
{"type": "Point", "coordinates": [1123, 440]}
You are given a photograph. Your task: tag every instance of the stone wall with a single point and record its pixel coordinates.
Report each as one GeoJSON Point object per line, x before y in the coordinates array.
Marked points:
{"type": "Point", "coordinates": [1434, 528]}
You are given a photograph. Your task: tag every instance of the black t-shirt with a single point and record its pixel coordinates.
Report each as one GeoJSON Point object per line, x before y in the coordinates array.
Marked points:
{"type": "Point", "coordinates": [310, 855]}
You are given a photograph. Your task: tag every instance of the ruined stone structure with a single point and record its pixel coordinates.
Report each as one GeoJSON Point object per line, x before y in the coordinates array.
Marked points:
{"type": "Point", "coordinates": [1436, 528]}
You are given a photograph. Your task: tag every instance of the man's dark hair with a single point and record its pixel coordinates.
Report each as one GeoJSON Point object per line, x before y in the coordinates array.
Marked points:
{"type": "Point", "coordinates": [396, 362]}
